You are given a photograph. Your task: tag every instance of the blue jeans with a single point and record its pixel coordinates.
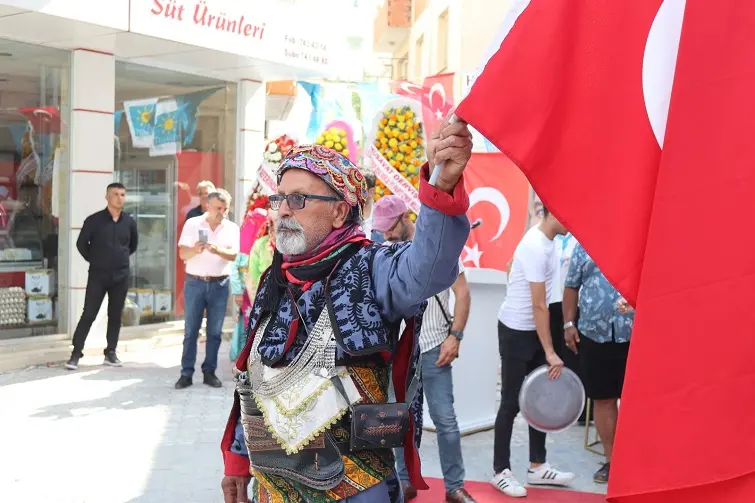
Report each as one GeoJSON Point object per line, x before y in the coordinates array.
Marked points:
{"type": "Point", "coordinates": [198, 296]}
{"type": "Point", "coordinates": [438, 386]}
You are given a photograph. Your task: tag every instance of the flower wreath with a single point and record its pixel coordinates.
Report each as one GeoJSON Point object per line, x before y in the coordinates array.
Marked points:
{"type": "Point", "coordinates": [277, 149]}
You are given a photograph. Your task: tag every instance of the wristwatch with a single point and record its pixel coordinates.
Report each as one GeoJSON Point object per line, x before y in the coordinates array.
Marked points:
{"type": "Point", "coordinates": [568, 324]}
{"type": "Point", "coordinates": [457, 333]}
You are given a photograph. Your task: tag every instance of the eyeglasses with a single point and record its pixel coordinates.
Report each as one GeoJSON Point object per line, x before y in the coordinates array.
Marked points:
{"type": "Point", "coordinates": [296, 201]}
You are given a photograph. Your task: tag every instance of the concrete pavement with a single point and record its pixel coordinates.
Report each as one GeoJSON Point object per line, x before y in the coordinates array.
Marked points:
{"type": "Point", "coordinates": [125, 435]}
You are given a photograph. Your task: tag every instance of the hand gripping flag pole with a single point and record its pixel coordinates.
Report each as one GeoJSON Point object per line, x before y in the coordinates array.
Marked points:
{"type": "Point", "coordinates": [439, 167]}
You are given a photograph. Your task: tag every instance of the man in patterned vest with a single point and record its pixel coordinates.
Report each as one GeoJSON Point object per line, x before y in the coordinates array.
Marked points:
{"type": "Point", "coordinates": [311, 420]}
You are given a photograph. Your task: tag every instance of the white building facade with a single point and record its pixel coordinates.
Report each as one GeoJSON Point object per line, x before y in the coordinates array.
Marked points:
{"type": "Point", "coordinates": [421, 38]}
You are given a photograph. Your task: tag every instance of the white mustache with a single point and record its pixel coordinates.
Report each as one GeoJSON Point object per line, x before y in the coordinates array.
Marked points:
{"type": "Point", "coordinates": [289, 225]}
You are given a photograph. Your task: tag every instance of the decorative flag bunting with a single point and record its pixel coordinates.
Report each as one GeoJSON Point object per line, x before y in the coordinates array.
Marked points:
{"type": "Point", "coordinates": [140, 116]}
{"type": "Point", "coordinates": [188, 106]}
{"type": "Point", "coordinates": [167, 139]}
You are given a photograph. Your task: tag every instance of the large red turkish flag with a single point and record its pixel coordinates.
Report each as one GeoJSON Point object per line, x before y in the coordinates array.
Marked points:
{"type": "Point", "coordinates": [563, 99]}
{"type": "Point", "coordinates": [687, 417]}
{"type": "Point", "coordinates": [498, 196]}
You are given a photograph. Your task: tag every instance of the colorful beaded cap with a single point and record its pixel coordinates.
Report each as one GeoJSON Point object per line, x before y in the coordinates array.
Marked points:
{"type": "Point", "coordinates": [333, 168]}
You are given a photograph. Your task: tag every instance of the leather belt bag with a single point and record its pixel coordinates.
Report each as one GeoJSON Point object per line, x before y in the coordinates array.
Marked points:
{"type": "Point", "coordinates": [318, 465]}
{"type": "Point", "coordinates": [380, 425]}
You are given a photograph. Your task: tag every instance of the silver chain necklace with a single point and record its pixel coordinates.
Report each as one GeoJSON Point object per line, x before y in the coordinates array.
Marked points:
{"type": "Point", "coordinates": [317, 356]}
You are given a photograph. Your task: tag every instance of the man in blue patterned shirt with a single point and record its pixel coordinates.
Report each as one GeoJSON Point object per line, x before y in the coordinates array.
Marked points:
{"type": "Point", "coordinates": [602, 338]}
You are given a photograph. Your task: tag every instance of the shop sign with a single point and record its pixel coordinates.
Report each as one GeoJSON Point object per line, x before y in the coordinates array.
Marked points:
{"type": "Point", "coordinates": [262, 30]}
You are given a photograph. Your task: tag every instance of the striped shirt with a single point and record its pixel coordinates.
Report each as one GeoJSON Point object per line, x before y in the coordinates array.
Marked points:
{"type": "Point", "coordinates": [435, 326]}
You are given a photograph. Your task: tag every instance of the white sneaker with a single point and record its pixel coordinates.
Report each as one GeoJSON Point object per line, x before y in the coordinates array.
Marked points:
{"type": "Point", "coordinates": [508, 485]}
{"type": "Point", "coordinates": [546, 475]}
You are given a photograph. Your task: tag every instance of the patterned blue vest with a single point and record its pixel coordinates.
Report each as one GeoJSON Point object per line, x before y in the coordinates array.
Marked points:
{"type": "Point", "coordinates": [360, 330]}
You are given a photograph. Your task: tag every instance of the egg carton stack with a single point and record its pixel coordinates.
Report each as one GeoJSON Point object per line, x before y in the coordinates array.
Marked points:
{"type": "Point", "coordinates": [12, 306]}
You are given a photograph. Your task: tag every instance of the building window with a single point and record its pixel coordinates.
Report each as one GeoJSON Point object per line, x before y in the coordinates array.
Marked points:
{"type": "Point", "coordinates": [442, 61]}
{"type": "Point", "coordinates": [419, 57]}
{"type": "Point", "coordinates": [34, 114]}
{"type": "Point", "coordinates": [161, 172]}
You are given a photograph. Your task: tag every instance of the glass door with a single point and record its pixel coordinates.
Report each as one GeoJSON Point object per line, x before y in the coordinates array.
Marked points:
{"type": "Point", "coordinates": [150, 199]}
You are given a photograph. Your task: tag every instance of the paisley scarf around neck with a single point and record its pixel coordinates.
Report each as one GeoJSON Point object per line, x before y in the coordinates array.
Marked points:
{"type": "Point", "coordinates": [302, 271]}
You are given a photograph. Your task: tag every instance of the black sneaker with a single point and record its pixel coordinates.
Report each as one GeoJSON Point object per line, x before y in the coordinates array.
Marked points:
{"type": "Point", "coordinates": [210, 379]}
{"type": "Point", "coordinates": [112, 360]}
{"type": "Point", "coordinates": [183, 382]}
{"type": "Point", "coordinates": [73, 363]}
{"type": "Point", "coordinates": [601, 476]}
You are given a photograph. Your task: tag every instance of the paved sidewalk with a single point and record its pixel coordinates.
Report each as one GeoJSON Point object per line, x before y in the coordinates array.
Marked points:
{"type": "Point", "coordinates": [125, 435]}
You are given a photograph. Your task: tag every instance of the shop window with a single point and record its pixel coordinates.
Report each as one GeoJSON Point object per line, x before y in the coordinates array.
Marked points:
{"type": "Point", "coordinates": [33, 161]}
{"type": "Point", "coordinates": [189, 136]}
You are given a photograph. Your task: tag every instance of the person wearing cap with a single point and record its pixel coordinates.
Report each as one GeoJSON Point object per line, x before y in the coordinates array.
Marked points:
{"type": "Point", "coordinates": [324, 333]}
{"type": "Point", "coordinates": [439, 340]}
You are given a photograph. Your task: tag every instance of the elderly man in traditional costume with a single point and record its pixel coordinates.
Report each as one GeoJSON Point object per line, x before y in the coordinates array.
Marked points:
{"type": "Point", "coordinates": [311, 420]}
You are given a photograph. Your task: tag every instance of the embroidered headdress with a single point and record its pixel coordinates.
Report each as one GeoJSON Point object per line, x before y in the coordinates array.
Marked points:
{"type": "Point", "coordinates": [331, 167]}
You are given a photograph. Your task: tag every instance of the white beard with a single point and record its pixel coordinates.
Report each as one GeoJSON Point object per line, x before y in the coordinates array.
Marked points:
{"type": "Point", "coordinates": [291, 242]}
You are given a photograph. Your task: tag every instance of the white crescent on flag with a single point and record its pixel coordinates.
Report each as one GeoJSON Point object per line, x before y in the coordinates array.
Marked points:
{"type": "Point", "coordinates": [439, 89]}
{"type": "Point", "coordinates": [659, 63]}
{"type": "Point", "coordinates": [497, 199]}
{"type": "Point", "coordinates": [410, 88]}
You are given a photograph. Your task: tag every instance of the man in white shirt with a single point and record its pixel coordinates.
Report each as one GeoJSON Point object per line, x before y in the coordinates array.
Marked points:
{"type": "Point", "coordinates": [525, 343]}
{"type": "Point", "coordinates": [439, 340]}
{"type": "Point", "coordinates": [208, 245]}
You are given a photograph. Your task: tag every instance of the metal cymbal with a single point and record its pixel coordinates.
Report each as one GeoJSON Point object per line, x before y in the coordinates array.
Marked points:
{"type": "Point", "coordinates": [551, 405]}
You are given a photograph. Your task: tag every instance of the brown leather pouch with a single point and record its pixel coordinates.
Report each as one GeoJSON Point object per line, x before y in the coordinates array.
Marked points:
{"type": "Point", "coordinates": [379, 426]}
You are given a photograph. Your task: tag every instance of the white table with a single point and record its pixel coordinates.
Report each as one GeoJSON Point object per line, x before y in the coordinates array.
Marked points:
{"type": "Point", "coordinates": [476, 372]}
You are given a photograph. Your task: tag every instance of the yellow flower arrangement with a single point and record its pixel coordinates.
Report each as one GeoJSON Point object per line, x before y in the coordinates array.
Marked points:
{"type": "Point", "coordinates": [336, 139]}
{"type": "Point", "coordinates": [400, 139]}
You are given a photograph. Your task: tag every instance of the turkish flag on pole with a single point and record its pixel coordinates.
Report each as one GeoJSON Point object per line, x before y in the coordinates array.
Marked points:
{"type": "Point", "coordinates": [436, 95]}
{"type": "Point", "coordinates": [572, 96]}
{"type": "Point", "coordinates": [563, 99]}
{"type": "Point", "coordinates": [438, 100]}
{"type": "Point", "coordinates": [498, 196]}
{"type": "Point", "coordinates": [687, 426]}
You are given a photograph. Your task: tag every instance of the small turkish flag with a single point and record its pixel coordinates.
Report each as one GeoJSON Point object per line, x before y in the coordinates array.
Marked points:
{"type": "Point", "coordinates": [438, 100]}
{"type": "Point", "coordinates": [436, 95]}
{"type": "Point", "coordinates": [498, 196]}
{"type": "Point", "coordinates": [44, 120]}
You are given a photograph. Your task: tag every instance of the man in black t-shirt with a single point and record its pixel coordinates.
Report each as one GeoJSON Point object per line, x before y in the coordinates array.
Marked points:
{"type": "Point", "coordinates": [107, 239]}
